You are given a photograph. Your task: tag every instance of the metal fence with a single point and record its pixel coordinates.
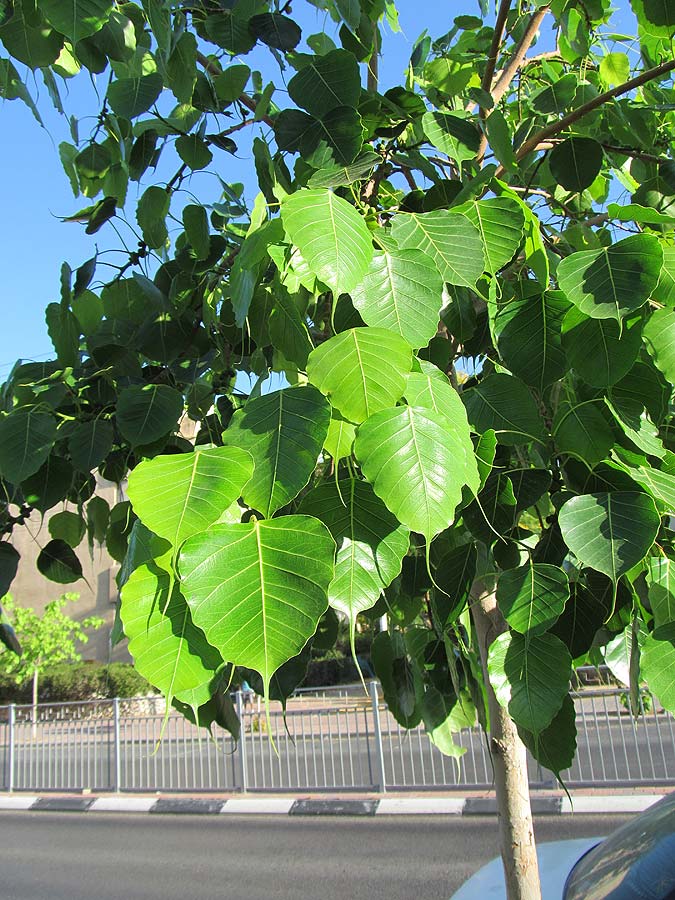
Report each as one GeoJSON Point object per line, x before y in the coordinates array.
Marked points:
{"type": "Point", "coordinates": [330, 740]}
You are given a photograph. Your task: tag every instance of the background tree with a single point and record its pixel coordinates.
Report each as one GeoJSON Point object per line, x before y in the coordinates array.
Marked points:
{"type": "Point", "coordinates": [46, 640]}
{"type": "Point", "coordinates": [467, 281]}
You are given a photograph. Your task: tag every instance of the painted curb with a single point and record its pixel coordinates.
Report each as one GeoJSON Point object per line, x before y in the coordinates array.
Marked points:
{"type": "Point", "coordinates": [294, 806]}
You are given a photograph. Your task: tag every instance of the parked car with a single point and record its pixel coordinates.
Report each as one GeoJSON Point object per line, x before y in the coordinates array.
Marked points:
{"type": "Point", "coordinates": [636, 862]}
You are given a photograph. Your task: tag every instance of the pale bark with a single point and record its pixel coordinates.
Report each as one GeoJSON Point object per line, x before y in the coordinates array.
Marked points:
{"type": "Point", "coordinates": [518, 851]}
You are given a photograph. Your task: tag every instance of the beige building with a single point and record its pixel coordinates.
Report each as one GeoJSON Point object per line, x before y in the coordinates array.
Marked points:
{"type": "Point", "coordinates": [98, 594]}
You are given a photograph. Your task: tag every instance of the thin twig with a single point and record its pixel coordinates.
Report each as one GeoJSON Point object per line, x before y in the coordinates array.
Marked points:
{"type": "Point", "coordinates": [500, 25]}
{"type": "Point", "coordinates": [513, 67]}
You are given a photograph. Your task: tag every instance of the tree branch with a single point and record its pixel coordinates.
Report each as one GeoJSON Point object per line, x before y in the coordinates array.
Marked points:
{"type": "Point", "coordinates": [518, 57]}
{"type": "Point", "coordinates": [500, 25]}
{"type": "Point", "coordinates": [556, 127]}
{"type": "Point", "coordinates": [214, 69]}
{"type": "Point", "coordinates": [512, 67]}
{"type": "Point", "coordinates": [373, 62]}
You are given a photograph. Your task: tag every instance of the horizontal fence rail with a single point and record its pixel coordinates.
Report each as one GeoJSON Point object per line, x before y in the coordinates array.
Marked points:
{"type": "Point", "coordinates": [327, 739]}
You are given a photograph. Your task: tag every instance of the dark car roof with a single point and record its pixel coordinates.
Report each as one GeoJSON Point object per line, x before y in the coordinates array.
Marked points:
{"type": "Point", "coordinates": [636, 863]}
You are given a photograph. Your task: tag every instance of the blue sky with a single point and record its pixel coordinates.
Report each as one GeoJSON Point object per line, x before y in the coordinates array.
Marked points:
{"type": "Point", "coordinates": [35, 193]}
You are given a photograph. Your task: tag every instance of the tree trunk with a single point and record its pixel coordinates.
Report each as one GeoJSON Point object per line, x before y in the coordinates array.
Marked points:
{"type": "Point", "coordinates": [519, 855]}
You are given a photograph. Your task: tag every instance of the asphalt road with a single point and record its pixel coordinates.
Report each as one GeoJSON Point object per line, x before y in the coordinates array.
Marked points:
{"type": "Point", "coordinates": [51, 856]}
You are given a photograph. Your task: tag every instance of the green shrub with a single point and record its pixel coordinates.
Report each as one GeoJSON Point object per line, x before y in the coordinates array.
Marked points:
{"type": "Point", "coordinates": [72, 682]}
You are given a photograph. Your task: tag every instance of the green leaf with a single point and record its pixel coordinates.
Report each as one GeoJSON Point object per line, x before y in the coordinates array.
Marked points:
{"type": "Point", "coordinates": [350, 10]}
{"type": "Point", "coordinates": [432, 390]}
{"type": "Point", "coordinates": [503, 403]}
{"type": "Point", "coordinates": [275, 30]}
{"type": "Point", "coordinates": [453, 135]}
{"type": "Point", "coordinates": [659, 338]}
{"type": "Point", "coordinates": [168, 649]}
{"type": "Point", "coordinates": [146, 414]}
{"type": "Point", "coordinates": [418, 462]}
{"type": "Point", "coordinates": [67, 526]}
{"type": "Point", "coordinates": [327, 82]}
{"type": "Point", "coordinates": [76, 19]}
{"type": "Point", "coordinates": [576, 163]}
{"type": "Point", "coordinates": [614, 69]}
{"type": "Point", "coordinates": [601, 351]}
{"type": "Point", "coordinates": [129, 97]}
{"type": "Point", "coordinates": [631, 417]}
{"type": "Point", "coordinates": [444, 716]}
{"type": "Point", "coordinates": [402, 291]}
{"type": "Point", "coordinates": [28, 39]}
{"type": "Point", "coordinates": [89, 443]}
{"type": "Point", "coordinates": [258, 589]}
{"type": "Point", "coordinates": [27, 436]}
{"type": "Point", "coordinates": [371, 543]}
{"type": "Point", "coordinates": [584, 613]}
{"type": "Point", "coordinates": [532, 597]}
{"type": "Point", "coordinates": [231, 83]}
{"type": "Point", "coordinates": [500, 223]}
{"type": "Point", "coordinates": [657, 666]}
{"type": "Point", "coordinates": [501, 140]}
{"type": "Point", "coordinates": [581, 430]}
{"type": "Point", "coordinates": [662, 590]}
{"type": "Point", "coordinates": [196, 225]}
{"type": "Point", "coordinates": [331, 236]}
{"type": "Point", "coordinates": [179, 495]}
{"type": "Point", "coordinates": [611, 282]}
{"type": "Point", "coordinates": [93, 161]}
{"type": "Point", "coordinates": [530, 677]}
{"type": "Point", "coordinates": [449, 238]}
{"type": "Point", "coordinates": [193, 151]}
{"type": "Point", "coordinates": [340, 438]}
{"type": "Point", "coordinates": [529, 338]}
{"type": "Point", "coordinates": [287, 329]}
{"type": "Point", "coordinates": [181, 68]}
{"type": "Point", "coordinates": [64, 331]}
{"type": "Point", "coordinates": [361, 371]}
{"type": "Point", "coordinates": [609, 532]}
{"type": "Point", "coordinates": [9, 563]}
{"type": "Point", "coordinates": [58, 563]}
{"type": "Point", "coordinates": [454, 578]}
{"type": "Point", "coordinates": [98, 518]}
{"type": "Point", "coordinates": [151, 213]}
{"type": "Point", "coordinates": [661, 485]}
{"type": "Point", "coordinates": [284, 432]}
{"type": "Point", "coordinates": [554, 748]}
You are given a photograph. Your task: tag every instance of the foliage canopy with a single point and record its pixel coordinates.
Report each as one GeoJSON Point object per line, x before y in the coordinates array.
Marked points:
{"type": "Point", "coordinates": [467, 282]}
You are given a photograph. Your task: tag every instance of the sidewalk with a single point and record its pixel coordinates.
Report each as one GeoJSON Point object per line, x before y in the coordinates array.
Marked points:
{"type": "Point", "coordinates": [543, 803]}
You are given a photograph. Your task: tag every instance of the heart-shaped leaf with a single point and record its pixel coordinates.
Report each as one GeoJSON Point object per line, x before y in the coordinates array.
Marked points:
{"type": "Point", "coordinates": [258, 590]}
{"type": "Point", "coordinates": [503, 403]}
{"type": "Point", "coordinates": [179, 495]}
{"type": "Point", "coordinates": [148, 413]}
{"type": "Point", "coordinates": [449, 238]}
{"type": "Point", "coordinates": [284, 432]}
{"type": "Point", "coordinates": [611, 282]}
{"type": "Point", "coordinates": [402, 291]}
{"type": "Point", "coordinates": [532, 597]}
{"type": "Point", "coordinates": [168, 649]}
{"type": "Point", "coordinates": [27, 436]}
{"type": "Point", "coordinates": [609, 532]}
{"type": "Point", "coordinates": [418, 462]}
{"type": "Point", "coordinates": [530, 677]}
{"type": "Point", "coordinates": [371, 543]}
{"type": "Point", "coordinates": [361, 371]}
{"type": "Point", "coordinates": [331, 236]}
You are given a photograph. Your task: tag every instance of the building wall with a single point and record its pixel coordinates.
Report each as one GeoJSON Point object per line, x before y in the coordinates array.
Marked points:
{"type": "Point", "coordinates": [97, 595]}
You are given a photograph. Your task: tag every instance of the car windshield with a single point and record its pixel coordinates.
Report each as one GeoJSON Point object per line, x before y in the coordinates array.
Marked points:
{"type": "Point", "coordinates": [636, 863]}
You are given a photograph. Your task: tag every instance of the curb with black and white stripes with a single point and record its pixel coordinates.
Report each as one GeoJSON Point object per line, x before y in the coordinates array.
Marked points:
{"type": "Point", "coordinates": [292, 806]}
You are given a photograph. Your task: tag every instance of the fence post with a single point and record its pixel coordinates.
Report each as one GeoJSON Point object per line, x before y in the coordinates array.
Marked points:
{"type": "Point", "coordinates": [117, 777]}
{"type": "Point", "coordinates": [10, 753]}
{"type": "Point", "coordinates": [243, 765]}
{"type": "Point", "coordinates": [382, 786]}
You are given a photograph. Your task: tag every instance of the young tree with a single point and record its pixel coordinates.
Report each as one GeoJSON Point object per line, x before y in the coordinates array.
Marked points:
{"type": "Point", "coordinates": [468, 283]}
{"type": "Point", "coordinates": [45, 640]}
